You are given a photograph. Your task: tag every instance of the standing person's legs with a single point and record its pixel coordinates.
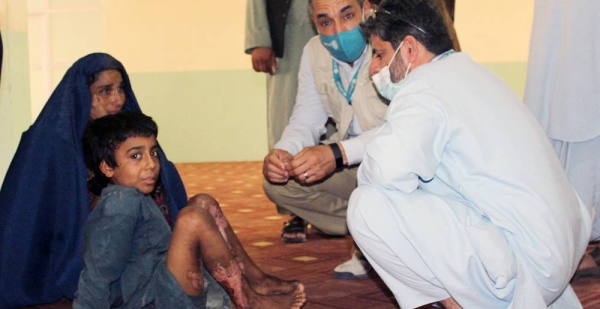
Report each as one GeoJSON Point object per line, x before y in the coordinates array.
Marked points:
{"type": "Point", "coordinates": [282, 87]}
{"type": "Point", "coordinates": [202, 235]}
{"type": "Point", "coordinates": [582, 163]}
{"type": "Point", "coordinates": [281, 96]}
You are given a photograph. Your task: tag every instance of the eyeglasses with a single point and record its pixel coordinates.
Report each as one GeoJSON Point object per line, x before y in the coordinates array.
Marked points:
{"type": "Point", "coordinates": [397, 16]}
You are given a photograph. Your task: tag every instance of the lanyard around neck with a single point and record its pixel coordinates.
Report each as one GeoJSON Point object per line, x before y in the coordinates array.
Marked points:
{"type": "Point", "coordinates": [338, 80]}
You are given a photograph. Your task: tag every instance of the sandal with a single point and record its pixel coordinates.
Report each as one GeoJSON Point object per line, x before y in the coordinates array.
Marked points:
{"type": "Point", "coordinates": [593, 271]}
{"type": "Point", "coordinates": [296, 226]}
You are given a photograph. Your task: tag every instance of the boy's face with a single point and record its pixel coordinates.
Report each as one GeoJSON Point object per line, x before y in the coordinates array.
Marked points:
{"type": "Point", "coordinates": [137, 164]}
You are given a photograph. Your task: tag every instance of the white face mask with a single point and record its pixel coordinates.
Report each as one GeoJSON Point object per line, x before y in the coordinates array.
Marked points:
{"type": "Point", "coordinates": [383, 80]}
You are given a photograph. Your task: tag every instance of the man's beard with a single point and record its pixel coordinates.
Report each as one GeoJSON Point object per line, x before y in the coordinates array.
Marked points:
{"type": "Point", "coordinates": [397, 69]}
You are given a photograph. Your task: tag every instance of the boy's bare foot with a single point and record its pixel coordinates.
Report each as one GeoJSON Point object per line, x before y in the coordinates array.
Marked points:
{"type": "Point", "coordinates": [268, 285]}
{"type": "Point", "coordinates": [293, 300]}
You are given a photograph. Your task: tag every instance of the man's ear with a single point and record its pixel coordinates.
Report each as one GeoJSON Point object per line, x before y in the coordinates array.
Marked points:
{"type": "Point", "coordinates": [366, 7]}
{"type": "Point", "coordinates": [412, 48]}
{"type": "Point", "coordinates": [106, 169]}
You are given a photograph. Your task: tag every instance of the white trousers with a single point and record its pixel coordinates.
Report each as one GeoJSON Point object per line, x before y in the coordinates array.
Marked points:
{"type": "Point", "coordinates": [581, 161]}
{"type": "Point", "coordinates": [427, 248]}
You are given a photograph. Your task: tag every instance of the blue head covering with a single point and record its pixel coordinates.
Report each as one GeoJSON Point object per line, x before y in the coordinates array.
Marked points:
{"type": "Point", "coordinates": [44, 199]}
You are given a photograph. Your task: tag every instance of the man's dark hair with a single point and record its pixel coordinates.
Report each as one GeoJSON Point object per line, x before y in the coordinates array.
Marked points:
{"type": "Point", "coordinates": [104, 135]}
{"type": "Point", "coordinates": [395, 19]}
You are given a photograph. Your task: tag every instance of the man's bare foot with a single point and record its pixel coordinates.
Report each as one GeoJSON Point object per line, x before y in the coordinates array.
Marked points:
{"type": "Point", "coordinates": [450, 303]}
{"type": "Point", "coordinates": [293, 300]}
{"type": "Point", "coordinates": [268, 285]}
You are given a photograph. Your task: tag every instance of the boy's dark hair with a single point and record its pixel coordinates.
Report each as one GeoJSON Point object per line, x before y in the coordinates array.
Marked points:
{"type": "Point", "coordinates": [395, 19]}
{"type": "Point", "coordinates": [104, 135]}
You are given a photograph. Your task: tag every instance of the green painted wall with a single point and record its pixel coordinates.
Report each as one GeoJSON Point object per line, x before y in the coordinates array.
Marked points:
{"type": "Point", "coordinates": [209, 116]}
{"type": "Point", "coordinates": [513, 73]}
{"type": "Point", "coordinates": [15, 107]}
{"type": "Point", "coordinates": [206, 116]}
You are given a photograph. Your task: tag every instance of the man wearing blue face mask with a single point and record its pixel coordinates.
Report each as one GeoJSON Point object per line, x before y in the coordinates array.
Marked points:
{"type": "Point", "coordinates": [310, 180]}
{"type": "Point", "coordinates": [461, 198]}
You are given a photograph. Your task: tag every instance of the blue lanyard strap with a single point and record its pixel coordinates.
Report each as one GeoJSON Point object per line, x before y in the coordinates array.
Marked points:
{"type": "Point", "coordinates": [338, 80]}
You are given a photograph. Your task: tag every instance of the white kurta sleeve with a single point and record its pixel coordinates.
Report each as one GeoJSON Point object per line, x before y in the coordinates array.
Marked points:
{"type": "Point", "coordinates": [409, 145]}
{"type": "Point", "coordinates": [307, 123]}
{"type": "Point", "coordinates": [355, 148]}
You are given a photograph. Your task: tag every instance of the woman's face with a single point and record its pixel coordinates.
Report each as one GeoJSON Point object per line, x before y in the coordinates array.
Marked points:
{"type": "Point", "coordinates": [108, 95]}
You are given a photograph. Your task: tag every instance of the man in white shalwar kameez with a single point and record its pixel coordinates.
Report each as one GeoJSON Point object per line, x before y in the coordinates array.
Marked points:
{"type": "Point", "coordinates": [461, 198]}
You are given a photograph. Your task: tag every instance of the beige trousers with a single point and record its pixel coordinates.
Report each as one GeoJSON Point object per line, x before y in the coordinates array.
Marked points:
{"type": "Point", "coordinates": [322, 204]}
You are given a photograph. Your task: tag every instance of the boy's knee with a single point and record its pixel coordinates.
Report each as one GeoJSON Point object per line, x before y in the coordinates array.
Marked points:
{"type": "Point", "coordinates": [192, 216]}
{"type": "Point", "coordinates": [202, 200]}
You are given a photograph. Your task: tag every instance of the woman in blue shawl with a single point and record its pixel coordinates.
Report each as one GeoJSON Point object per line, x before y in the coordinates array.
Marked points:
{"type": "Point", "coordinates": [47, 195]}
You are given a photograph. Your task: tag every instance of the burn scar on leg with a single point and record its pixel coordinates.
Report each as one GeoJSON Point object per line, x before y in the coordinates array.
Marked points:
{"type": "Point", "coordinates": [197, 280]}
{"type": "Point", "coordinates": [231, 280]}
{"type": "Point", "coordinates": [220, 220]}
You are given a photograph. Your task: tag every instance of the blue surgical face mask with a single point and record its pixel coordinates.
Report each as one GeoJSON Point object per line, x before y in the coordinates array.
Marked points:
{"type": "Point", "coordinates": [383, 79]}
{"type": "Point", "coordinates": [346, 46]}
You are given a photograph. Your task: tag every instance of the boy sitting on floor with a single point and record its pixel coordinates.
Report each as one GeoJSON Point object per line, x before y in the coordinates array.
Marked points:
{"type": "Point", "coordinates": [132, 260]}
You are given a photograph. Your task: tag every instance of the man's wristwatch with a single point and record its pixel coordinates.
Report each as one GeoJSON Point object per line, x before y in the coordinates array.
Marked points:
{"type": "Point", "coordinates": [337, 154]}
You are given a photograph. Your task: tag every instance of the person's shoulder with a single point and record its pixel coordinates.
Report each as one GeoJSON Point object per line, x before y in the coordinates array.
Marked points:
{"type": "Point", "coordinates": [313, 44]}
{"type": "Point", "coordinates": [116, 199]}
{"type": "Point", "coordinates": [112, 190]}
{"type": "Point", "coordinates": [451, 62]}
{"type": "Point", "coordinates": [318, 57]}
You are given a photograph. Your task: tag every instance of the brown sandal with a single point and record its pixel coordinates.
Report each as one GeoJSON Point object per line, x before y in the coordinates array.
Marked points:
{"type": "Point", "coordinates": [296, 226]}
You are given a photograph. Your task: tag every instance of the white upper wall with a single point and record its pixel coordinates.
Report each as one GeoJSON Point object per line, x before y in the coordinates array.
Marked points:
{"type": "Point", "coordinates": [177, 35]}
{"type": "Point", "coordinates": [188, 35]}
{"type": "Point", "coordinates": [494, 31]}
